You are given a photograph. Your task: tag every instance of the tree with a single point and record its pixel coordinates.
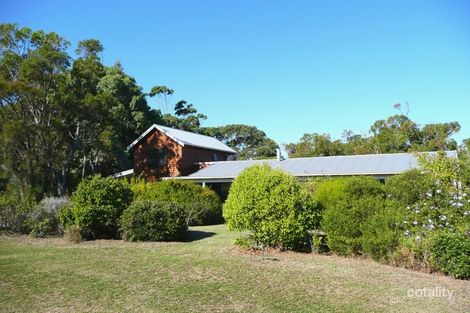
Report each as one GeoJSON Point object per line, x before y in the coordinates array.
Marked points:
{"type": "Point", "coordinates": [397, 133]}
{"type": "Point", "coordinates": [62, 119]}
{"type": "Point", "coordinates": [248, 141]}
{"type": "Point", "coordinates": [315, 145]}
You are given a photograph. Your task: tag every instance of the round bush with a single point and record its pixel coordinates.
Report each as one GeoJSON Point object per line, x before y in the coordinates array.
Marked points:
{"type": "Point", "coordinates": [96, 221]}
{"type": "Point", "coordinates": [201, 204]}
{"type": "Point", "coordinates": [450, 254]}
{"type": "Point", "coordinates": [99, 190]}
{"type": "Point", "coordinates": [148, 220]}
{"type": "Point", "coordinates": [97, 206]}
{"type": "Point", "coordinates": [360, 199]}
{"type": "Point", "coordinates": [273, 206]}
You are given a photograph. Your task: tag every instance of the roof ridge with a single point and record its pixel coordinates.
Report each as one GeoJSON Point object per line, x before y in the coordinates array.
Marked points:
{"type": "Point", "coordinates": [186, 131]}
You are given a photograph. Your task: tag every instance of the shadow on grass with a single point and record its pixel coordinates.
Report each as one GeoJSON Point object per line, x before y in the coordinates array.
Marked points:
{"type": "Point", "coordinates": [195, 235]}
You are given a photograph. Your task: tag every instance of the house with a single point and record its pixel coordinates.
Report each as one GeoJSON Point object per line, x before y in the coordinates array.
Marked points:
{"type": "Point", "coordinates": [167, 152]}
{"type": "Point", "coordinates": [219, 175]}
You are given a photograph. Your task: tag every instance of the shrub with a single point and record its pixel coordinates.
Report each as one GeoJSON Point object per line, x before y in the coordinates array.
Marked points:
{"type": "Point", "coordinates": [450, 253]}
{"type": "Point", "coordinates": [361, 198]}
{"type": "Point", "coordinates": [96, 221]}
{"type": "Point", "coordinates": [408, 187]}
{"type": "Point", "coordinates": [328, 191]}
{"type": "Point", "coordinates": [153, 221]}
{"type": "Point", "coordinates": [103, 191]}
{"type": "Point", "coordinates": [273, 206]}
{"type": "Point", "coordinates": [44, 218]}
{"type": "Point", "coordinates": [65, 216]}
{"type": "Point", "coordinates": [97, 206]}
{"type": "Point", "coordinates": [72, 234]}
{"type": "Point", "coordinates": [202, 205]}
{"type": "Point", "coordinates": [381, 232]}
{"type": "Point", "coordinates": [15, 208]}
{"type": "Point", "coordinates": [446, 203]}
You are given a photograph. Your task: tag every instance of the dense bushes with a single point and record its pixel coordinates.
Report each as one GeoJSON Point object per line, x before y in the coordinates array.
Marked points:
{"type": "Point", "coordinates": [202, 205]}
{"type": "Point", "coordinates": [408, 187]}
{"type": "Point", "coordinates": [153, 220]}
{"type": "Point", "coordinates": [359, 199]}
{"type": "Point", "coordinates": [451, 253]}
{"type": "Point", "coordinates": [382, 231]}
{"type": "Point", "coordinates": [97, 206]}
{"type": "Point", "coordinates": [15, 208]}
{"type": "Point", "coordinates": [43, 220]}
{"type": "Point", "coordinates": [273, 206]}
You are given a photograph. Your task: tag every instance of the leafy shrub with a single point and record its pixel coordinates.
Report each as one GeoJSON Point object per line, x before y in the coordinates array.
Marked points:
{"type": "Point", "coordinates": [44, 218]}
{"type": "Point", "coordinates": [103, 191]}
{"type": "Point", "coordinates": [381, 232]}
{"type": "Point", "coordinates": [328, 191]}
{"type": "Point", "coordinates": [65, 216]}
{"type": "Point", "coordinates": [202, 205]}
{"type": "Point", "coordinates": [15, 207]}
{"type": "Point", "coordinates": [450, 253]}
{"type": "Point", "coordinates": [96, 221]}
{"type": "Point", "coordinates": [361, 198]}
{"type": "Point", "coordinates": [72, 234]}
{"type": "Point", "coordinates": [97, 206]}
{"type": "Point", "coordinates": [408, 187]}
{"type": "Point", "coordinates": [446, 203]}
{"type": "Point", "coordinates": [273, 206]}
{"type": "Point", "coordinates": [149, 220]}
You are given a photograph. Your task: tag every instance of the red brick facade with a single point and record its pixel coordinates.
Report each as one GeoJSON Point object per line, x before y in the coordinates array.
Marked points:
{"type": "Point", "coordinates": [180, 161]}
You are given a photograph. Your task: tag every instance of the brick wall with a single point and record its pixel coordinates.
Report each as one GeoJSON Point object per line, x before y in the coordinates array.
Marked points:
{"type": "Point", "coordinates": [181, 161]}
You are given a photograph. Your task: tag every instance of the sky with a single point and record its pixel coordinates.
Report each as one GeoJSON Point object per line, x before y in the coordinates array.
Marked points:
{"type": "Point", "coordinates": [287, 67]}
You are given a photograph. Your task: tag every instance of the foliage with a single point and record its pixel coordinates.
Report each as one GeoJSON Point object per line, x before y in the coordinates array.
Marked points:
{"type": "Point", "coordinates": [397, 133]}
{"type": "Point", "coordinates": [408, 187]}
{"type": "Point", "coordinates": [66, 217]}
{"type": "Point", "coordinates": [149, 220]}
{"type": "Point", "coordinates": [15, 207]}
{"type": "Point", "coordinates": [43, 220]}
{"type": "Point", "coordinates": [382, 231]}
{"type": "Point", "coordinates": [327, 191]}
{"type": "Point", "coordinates": [451, 253]}
{"type": "Point", "coordinates": [362, 198]}
{"type": "Point", "coordinates": [97, 206]}
{"type": "Point", "coordinates": [446, 205]}
{"type": "Point", "coordinates": [202, 205]}
{"type": "Point", "coordinates": [248, 141]}
{"type": "Point", "coordinates": [273, 206]}
{"type": "Point", "coordinates": [99, 190]}
{"type": "Point", "coordinates": [63, 118]}
{"type": "Point", "coordinates": [96, 221]}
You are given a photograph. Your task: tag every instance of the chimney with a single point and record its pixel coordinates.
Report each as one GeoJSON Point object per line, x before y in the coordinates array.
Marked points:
{"type": "Point", "coordinates": [278, 154]}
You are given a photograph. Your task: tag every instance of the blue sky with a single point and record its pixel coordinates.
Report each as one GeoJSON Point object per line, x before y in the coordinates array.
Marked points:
{"type": "Point", "coordinates": [288, 67]}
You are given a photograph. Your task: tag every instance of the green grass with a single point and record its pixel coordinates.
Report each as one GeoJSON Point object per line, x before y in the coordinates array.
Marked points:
{"type": "Point", "coordinates": [204, 275]}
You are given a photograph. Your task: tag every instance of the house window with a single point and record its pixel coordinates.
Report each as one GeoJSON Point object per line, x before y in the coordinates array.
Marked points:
{"type": "Point", "coordinates": [156, 158]}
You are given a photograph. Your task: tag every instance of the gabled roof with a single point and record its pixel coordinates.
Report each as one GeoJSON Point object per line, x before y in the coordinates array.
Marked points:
{"type": "Point", "coordinates": [368, 164]}
{"type": "Point", "coordinates": [186, 138]}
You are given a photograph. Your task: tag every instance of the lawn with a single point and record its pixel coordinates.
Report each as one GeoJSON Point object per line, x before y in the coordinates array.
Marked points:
{"type": "Point", "coordinates": [206, 274]}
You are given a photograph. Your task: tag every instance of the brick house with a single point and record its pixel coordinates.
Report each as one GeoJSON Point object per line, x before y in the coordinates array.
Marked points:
{"type": "Point", "coordinates": [167, 152]}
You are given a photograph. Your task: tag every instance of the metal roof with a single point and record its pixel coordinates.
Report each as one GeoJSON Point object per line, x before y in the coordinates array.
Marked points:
{"type": "Point", "coordinates": [368, 164]}
{"type": "Point", "coordinates": [186, 138]}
